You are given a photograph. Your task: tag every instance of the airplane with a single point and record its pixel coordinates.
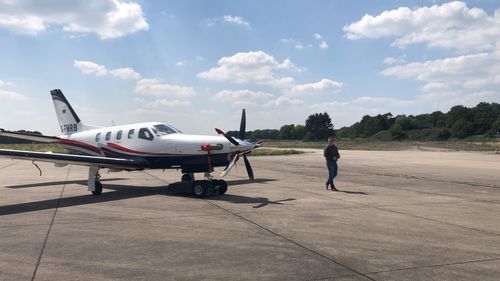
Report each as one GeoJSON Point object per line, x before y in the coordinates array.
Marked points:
{"type": "Point", "coordinates": [138, 146]}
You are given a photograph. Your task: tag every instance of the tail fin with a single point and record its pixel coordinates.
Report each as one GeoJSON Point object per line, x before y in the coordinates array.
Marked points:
{"type": "Point", "coordinates": [68, 120]}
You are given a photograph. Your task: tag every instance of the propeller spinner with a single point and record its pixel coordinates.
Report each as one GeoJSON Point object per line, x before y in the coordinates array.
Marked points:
{"type": "Point", "coordinates": [242, 148]}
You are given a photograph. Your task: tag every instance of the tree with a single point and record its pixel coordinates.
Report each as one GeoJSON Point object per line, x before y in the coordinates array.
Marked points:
{"type": "Point", "coordinates": [404, 123]}
{"type": "Point", "coordinates": [287, 131]}
{"type": "Point", "coordinates": [319, 126]}
{"type": "Point", "coordinates": [462, 128]}
{"type": "Point", "coordinates": [299, 132]}
{"type": "Point", "coordinates": [456, 113]}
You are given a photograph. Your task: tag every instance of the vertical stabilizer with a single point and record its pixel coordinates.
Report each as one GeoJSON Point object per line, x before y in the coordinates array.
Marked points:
{"type": "Point", "coordinates": [69, 122]}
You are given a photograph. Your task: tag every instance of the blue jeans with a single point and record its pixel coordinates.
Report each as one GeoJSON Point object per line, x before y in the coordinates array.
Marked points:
{"type": "Point", "coordinates": [332, 171]}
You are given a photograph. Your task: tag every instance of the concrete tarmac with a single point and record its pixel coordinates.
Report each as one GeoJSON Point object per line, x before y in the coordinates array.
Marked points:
{"type": "Point", "coordinates": [402, 215]}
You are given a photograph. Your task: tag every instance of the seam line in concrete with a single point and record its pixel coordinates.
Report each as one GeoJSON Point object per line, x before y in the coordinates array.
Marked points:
{"type": "Point", "coordinates": [423, 178]}
{"type": "Point", "coordinates": [410, 215]}
{"type": "Point", "coordinates": [434, 265]}
{"type": "Point", "coordinates": [441, 222]}
{"type": "Point", "coordinates": [290, 240]}
{"type": "Point", "coordinates": [50, 227]}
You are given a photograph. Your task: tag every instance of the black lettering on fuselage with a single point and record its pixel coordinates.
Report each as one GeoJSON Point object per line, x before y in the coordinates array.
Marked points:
{"type": "Point", "coordinates": [69, 128]}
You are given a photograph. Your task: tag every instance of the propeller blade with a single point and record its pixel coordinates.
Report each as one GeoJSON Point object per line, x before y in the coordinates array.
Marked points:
{"type": "Point", "coordinates": [230, 166]}
{"type": "Point", "coordinates": [249, 167]}
{"type": "Point", "coordinates": [243, 123]}
{"type": "Point", "coordinates": [229, 138]}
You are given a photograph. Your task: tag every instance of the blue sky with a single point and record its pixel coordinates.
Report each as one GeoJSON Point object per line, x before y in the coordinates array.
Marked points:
{"type": "Point", "coordinates": [196, 64]}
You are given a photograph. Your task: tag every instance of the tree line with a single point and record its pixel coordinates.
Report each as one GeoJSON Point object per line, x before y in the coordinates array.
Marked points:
{"type": "Point", "coordinates": [318, 126]}
{"type": "Point", "coordinates": [458, 123]}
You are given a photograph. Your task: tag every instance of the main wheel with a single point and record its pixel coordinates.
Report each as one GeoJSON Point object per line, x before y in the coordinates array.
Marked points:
{"type": "Point", "coordinates": [98, 188]}
{"type": "Point", "coordinates": [200, 188]}
{"type": "Point", "coordinates": [222, 186]}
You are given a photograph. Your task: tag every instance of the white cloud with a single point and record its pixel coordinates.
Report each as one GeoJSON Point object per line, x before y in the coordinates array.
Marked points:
{"type": "Point", "coordinates": [242, 97]}
{"type": "Point", "coordinates": [236, 20]}
{"type": "Point", "coordinates": [5, 83]}
{"type": "Point", "coordinates": [470, 71]}
{"type": "Point", "coordinates": [322, 86]}
{"type": "Point", "coordinates": [152, 87]}
{"type": "Point", "coordinates": [229, 19]}
{"type": "Point", "coordinates": [392, 60]}
{"type": "Point", "coordinates": [284, 101]}
{"type": "Point", "coordinates": [108, 18]}
{"type": "Point", "coordinates": [11, 96]}
{"type": "Point", "coordinates": [323, 45]}
{"type": "Point", "coordinates": [180, 63]}
{"type": "Point", "coordinates": [297, 44]}
{"type": "Point", "coordinates": [451, 26]}
{"type": "Point", "coordinates": [126, 73]}
{"type": "Point", "coordinates": [88, 67]}
{"type": "Point", "coordinates": [166, 103]}
{"type": "Point", "coordinates": [317, 36]}
{"type": "Point", "coordinates": [250, 67]}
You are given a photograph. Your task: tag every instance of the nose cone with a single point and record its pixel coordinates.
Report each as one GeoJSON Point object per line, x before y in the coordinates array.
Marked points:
{"type": "Point", "coordinates": [243, 146]}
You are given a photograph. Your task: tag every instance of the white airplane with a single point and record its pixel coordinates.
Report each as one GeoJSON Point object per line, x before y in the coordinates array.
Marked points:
{"type": "Point", "coordinates": [138, 146]}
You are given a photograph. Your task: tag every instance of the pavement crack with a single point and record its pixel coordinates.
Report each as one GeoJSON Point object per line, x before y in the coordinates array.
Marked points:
{"type": "Point", "coordinates": [50, 227]}
{"type": "Point", "coordinates": [300, 245]}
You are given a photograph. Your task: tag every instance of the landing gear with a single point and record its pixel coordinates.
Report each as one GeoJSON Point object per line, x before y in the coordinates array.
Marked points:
{"type": "Point", "coordinates": [98, 188]}
{"type": "Point", "coordinates": [202, 188]}
{"type": "Point", "coordinates": [221, 186]}
{"type": "Point", "coordinates": [94, 185]}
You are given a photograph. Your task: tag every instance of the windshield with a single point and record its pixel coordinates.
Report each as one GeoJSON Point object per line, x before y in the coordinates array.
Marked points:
{"type": "Point", "coordinates": [162, 129]}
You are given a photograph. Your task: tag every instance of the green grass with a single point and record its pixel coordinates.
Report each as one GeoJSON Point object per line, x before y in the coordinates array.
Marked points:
{"type": "Point", "coordinates": [364, 144]}
{"type": "Point", "coordinates": [273, 152]}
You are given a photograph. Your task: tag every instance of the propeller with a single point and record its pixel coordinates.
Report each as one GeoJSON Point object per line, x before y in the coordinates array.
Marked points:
{"type": "Point", "coordinates": [243, 147]}
{"type": "Point", "coordinates": [228, 137]}
{"type": "Point", "coordinates": [243, 122]}
{"type": "Point", "coordinates": [248, 166]}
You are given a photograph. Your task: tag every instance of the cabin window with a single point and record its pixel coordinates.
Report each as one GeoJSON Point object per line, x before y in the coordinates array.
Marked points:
{"type": "Point", "coordinates": [108, 136]}
{"type": "Point", "coordinates": [119, 135]}
{"type": "Point", "coordinates": [144, 133]}
{"type": "Point", "coordinates": [131, 133]}
{"type": "Point", "coordinates": [98, 137]}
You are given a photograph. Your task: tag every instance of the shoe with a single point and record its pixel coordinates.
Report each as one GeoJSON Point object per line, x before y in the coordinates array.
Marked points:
{"type": "Point", "coordinates": [333, 188]}
{"type": "Point", "coordinates": [326, 186]}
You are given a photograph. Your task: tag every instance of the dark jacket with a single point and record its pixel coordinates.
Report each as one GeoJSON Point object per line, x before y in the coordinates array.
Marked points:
{"type": "Point", "coordinates": [331, 151]}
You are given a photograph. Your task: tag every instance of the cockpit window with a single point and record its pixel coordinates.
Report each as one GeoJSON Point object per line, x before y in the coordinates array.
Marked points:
{"type": "Point", "coordinates": [145, 134]}
{"type": "Point", "coordinates": [162, 129]}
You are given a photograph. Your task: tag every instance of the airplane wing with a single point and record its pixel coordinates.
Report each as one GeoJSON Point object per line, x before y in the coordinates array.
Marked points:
{"type": "Point", "coordinates": [60, 158]}
{"type": "Point", "coordinates": [28, 136]}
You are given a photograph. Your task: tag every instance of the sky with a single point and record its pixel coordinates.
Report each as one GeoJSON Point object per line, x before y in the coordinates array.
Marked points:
{"type": "Point", "coordinates": [197, 64]}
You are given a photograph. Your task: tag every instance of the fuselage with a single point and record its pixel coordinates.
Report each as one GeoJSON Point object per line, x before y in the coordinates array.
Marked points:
{"type": "Point", "coordinates": [161, 145]}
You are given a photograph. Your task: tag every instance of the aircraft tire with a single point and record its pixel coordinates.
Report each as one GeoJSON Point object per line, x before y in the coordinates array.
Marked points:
{"type": "Point", "coordinates": [98, 188]}
{"type": "Point", "coordinates": [222, 186]}
{"type": "Point", "coordinates": [200, 189]}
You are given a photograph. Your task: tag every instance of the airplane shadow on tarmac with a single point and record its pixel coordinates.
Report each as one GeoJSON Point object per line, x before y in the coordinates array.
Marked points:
{"type": "Point", "coordinates": [121, 192]}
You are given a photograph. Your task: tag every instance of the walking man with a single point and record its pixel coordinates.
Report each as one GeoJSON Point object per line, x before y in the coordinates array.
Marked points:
{"type": "Point", "coordinates": [331, 154]}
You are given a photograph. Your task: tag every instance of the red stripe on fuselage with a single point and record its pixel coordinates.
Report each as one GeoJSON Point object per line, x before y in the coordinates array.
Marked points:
{"type": "Point", "coordinates": [79, 144]}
